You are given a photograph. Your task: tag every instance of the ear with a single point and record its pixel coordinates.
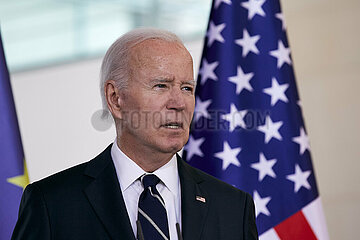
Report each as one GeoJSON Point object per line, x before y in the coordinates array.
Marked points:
{"type": "Point", "coordinates": [113, 98]}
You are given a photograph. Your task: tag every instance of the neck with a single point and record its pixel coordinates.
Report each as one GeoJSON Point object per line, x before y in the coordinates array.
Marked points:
{"type": "Point", "coordinates": [148, 160]}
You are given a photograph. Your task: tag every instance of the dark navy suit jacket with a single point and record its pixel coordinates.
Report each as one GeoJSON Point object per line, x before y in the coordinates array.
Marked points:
{"type": "Point", "coordinates": [85, 202]}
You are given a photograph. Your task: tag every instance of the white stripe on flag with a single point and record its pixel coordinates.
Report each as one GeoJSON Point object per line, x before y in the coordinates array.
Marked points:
{"type": "Point", "coordinates": [269, 235]}
{"type": "Point", "coordinates": [314, 214]}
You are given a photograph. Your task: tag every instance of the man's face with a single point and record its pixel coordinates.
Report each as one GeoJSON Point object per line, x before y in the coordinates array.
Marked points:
{"type": "Point", "coordinates": [158, 104]}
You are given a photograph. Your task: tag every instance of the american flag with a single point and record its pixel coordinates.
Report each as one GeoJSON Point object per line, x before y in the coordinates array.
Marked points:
{"type": "Point", "coordinates": [248, 128]}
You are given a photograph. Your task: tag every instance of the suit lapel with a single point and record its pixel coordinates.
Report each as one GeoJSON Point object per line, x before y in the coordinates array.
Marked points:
{"type": "Point", "coordinates": [194, 201]}
{"type": "Point", "coordinates": [105, 196]}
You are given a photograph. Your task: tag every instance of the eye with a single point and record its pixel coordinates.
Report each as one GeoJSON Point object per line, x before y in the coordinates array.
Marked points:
{"type": "Point", "coordinates": [160, 85]}
{"type": "Point", "coordinates": [188, 88]}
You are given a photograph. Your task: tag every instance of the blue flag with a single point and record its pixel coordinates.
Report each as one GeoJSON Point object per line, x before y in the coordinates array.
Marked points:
{"type": "Point", "coordinates": [13, 174]}
{"type": "Point", "coordinates": [248, 128]}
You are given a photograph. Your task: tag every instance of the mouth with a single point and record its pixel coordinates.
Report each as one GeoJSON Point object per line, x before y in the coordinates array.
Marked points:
{"type": "Point", "coordinates": [173, 125]}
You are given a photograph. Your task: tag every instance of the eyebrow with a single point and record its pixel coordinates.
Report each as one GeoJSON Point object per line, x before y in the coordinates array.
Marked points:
{"type": "Point", "coordinates": [191, 82]}
{"type": "Point", "coordinates": [170, 80]}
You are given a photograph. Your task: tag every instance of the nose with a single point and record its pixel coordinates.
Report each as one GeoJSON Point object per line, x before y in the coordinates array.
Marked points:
{"type": "Point", "coordinates": [176, 100]}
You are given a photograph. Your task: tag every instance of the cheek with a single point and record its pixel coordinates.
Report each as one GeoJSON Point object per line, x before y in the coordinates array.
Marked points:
{"type": "Point", "coordinates": [191, 105]}
{"type": "Point", "coordinates": [154, 119]}
{"type": "Point", "coordinates": [188, 114]}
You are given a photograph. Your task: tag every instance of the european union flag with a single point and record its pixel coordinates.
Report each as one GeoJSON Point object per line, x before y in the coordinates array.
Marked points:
{"type": "Point", "coordinates": [13, 173]}
{"type": "Point", "coordinates": [248, 128]}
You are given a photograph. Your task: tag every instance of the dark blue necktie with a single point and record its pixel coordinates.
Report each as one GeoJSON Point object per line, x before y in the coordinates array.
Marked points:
{"type": "Point", "coordinates": [152, 211]}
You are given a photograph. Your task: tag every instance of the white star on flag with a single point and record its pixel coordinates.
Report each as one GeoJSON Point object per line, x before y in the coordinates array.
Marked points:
{"type": "Point", "coordinates": [235, 117]}
{"type": "Point", "coordinates": [271, 129]}
{"type": "Point", "coordinates": [277, 92]}
{"type": "Point", "coordinates": [193, 147]}
{"type": "Point", "coordinates": [303, 141]}
{"type": "Point", "coordinates": [260, 204]}
{"type": "Point", "coordinates": [207, 71]}
{"type": "Point", "coordinates": [264, 167]}
{"type": "Point", "coordinates": [242, 80]}
{"type": "Point", "coordinates": [299, 178]}
{"type": "Point", "coordinates": [282, 54]}
{"type": "Point", "coordinates": [299, 103]}
{"type": "Point", "coordinates": [214, 33]}
{"type": "Point", "coordinates": [228, 156]}
{"type": "Point", "coordinates": [218, 2]}
{"type": "Point", "coordinates": [201, 108]}
{"type": "Point", "coordinates": [254, 7]}
{"type": "Point", "coordinates": [282, 19]}
{"type": "Point", "coordinates": [248, 43]}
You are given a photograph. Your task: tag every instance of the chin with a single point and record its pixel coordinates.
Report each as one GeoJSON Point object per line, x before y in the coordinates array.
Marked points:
{"type": "Point", "coordinates": [171, 143]}
{"type": "Point", "coordinates": [172, 146]}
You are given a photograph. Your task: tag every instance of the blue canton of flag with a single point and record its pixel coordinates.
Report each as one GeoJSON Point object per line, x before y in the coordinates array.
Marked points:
{"type": "Point", "coordinates": [13, 173]}
{"type": "Point", "coordinates": [248, 128]}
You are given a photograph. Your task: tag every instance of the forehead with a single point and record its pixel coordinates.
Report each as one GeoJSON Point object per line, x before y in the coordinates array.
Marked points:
{"type": "Point", "coordinates": [155, 50]}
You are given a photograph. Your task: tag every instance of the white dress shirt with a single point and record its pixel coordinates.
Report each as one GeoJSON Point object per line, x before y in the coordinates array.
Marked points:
{"type": "Point", "coordinates": [128, 173]}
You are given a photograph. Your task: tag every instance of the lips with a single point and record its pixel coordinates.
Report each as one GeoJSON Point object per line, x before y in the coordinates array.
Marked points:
{"type": "Point", "coordinates": [173, 125]}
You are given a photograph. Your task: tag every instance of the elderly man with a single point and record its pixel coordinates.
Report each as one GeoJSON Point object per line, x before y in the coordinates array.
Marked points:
{"type": "Point", "coordinates": [139, 188]}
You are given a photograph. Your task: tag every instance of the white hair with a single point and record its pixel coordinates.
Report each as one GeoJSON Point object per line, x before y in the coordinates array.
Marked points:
{"type": "Point", "coordinates": [115, 65]}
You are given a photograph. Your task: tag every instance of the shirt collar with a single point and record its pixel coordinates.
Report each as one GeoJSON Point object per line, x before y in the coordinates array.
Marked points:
{"type": "Point", "coordinates": [128, 171]}
{"type": "Point", "coordinates": [168, 174]}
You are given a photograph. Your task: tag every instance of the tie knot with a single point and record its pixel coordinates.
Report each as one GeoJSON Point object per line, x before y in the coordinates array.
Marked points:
{"type": "Point", "coordinates": [150, 180]}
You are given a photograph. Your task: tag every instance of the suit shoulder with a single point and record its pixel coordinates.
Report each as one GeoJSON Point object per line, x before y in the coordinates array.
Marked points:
{"type": "Point", "coordinates": [74, 177]}
{"type": "Point", "coordinates": [214, 184]}
{"type": "Point", "coordinates": [64, 178]}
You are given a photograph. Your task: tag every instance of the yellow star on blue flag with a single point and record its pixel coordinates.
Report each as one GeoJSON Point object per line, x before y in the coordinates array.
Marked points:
{"type": "Point", "coordinates": [20, 180]}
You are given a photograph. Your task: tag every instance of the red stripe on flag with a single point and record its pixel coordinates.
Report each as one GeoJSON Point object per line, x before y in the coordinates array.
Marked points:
{"type": "Point", "coordinates": [295, 227]}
